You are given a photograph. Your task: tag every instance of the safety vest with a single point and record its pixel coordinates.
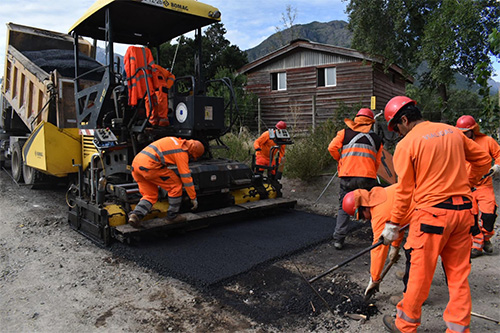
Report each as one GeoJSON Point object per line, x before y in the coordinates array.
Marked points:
{"type": "Point", "coordinates": [137, 62]}
{"type": "Point", "coordinates": [358, 156]}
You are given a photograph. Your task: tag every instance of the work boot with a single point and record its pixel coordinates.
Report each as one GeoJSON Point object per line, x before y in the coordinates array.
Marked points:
{"type": "Point", "coordinates": [176, 219]}
{"type": "Point", "coordinates": [373, 287]}
{"type": "Point", "coordinates": [474, 253]}
{"type": "Point", "coordinates": [488, 247]}
{"type": "Point", "coordinates": [134, 221]}
{"type": "Point", "coordinates": [390, 324]}
{"type": "Point", "coordinates": [338, 244]}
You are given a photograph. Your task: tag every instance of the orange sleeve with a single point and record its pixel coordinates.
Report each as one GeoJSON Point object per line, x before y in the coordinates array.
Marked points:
{"type": "Point", "coordinates": [405, 184]}
{"type": "Point", "coordinates": [479, 159]}
{"type": "Point", "coordinates": [182, 162]}
{"type": "Point", "coordinates": [494, 150]}
{"type": "Point", "coordinates": [259, 143]}
{"type": "Point", "coordinates": [336, 145]}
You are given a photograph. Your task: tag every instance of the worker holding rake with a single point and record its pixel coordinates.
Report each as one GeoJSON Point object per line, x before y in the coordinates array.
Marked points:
{"type": "Point", "coordinates": [483, 193]}
{"type": "Point", "coordinates": [358, 151]}
{"type": "Point", "coordinates": [375, 205]}
{"type": "Point", "coordinates": [430, 161]}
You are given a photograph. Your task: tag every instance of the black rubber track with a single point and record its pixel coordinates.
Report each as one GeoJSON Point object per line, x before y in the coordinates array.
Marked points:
{"type": "Point", "coordinates": [207, 256]}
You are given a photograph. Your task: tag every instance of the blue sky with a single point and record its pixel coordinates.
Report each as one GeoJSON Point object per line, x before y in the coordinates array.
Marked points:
{"type": "Point", "coordinates": [247, 22]}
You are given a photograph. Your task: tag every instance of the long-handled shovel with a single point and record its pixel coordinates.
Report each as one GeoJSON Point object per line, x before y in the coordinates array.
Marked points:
{"type": "Point", "coordinates": [348, 260]}
{"type": "Point", "coordinates": [326, 187]}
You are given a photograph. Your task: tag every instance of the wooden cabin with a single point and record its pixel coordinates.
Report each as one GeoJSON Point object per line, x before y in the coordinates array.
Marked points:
{"type": "Point", "coordinates": [304, 82]}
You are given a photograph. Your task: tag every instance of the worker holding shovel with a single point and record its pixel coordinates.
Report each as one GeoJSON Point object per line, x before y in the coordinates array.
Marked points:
{"type": "Point", "coordinates": [375, 205]}
{"type": "Point", "coordinates": [430, 161]}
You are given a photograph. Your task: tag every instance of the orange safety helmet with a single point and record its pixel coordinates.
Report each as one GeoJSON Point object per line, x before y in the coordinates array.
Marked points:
{"type": "Point", "coordinates": [195, 148]}
{"type": "Point", "coordinates": [281, 125]}
{"type": "Point", "coordinates": [392, 108]}
{"type": "Point", "coordinates": [466, 123]}
{"type": "Point", "coordinates": [348, 204]}
{"type": "Point", "coordinates": [365, 112]}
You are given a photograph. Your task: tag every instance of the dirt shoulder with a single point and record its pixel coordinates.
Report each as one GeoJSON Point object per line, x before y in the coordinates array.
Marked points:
{"type": "Point", "coordinates": [52, 279]}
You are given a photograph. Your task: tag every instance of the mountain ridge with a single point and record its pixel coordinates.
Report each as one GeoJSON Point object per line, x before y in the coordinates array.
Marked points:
{"type": "Point", "coordinates": [333, 33]}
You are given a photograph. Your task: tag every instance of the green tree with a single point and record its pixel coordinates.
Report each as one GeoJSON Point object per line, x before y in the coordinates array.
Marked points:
{"type": "Point", "coordinates": [451, 36]}
{"type": "Point", "coordinates": [216, 52]}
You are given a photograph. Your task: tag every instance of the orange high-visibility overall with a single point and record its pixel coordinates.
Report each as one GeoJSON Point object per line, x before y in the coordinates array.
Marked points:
{"type": "Point", "coordinates": [150, 169]}
{"type": "Point", "coordinates": [484, 194]}
{"type": "Point", "coordinates": [138, 58]}
{"type": "Point", "coordinates": [162, 81]}
{"type": "Point", "coordinates": [263, 146]}
{"type": "Point", "coordinates": [430, 162]}
{"type": "Point", "coordinates": [380, 214]}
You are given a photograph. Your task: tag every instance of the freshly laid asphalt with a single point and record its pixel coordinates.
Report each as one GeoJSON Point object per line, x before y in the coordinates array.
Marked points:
{"type": "Point", "coordinates": [211, 255]}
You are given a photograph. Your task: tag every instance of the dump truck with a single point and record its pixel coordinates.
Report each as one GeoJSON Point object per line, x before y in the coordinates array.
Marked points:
{"type": "Point", "coordinates": [38, 129]}
{"type": "Point", "coordinates": [82, 123]}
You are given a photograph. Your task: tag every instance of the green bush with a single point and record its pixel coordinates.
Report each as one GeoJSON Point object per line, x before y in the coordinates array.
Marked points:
{"type": "Point", "coordinates": [309, 156]}
{"type": "Point", "coordinates": [239, 147]}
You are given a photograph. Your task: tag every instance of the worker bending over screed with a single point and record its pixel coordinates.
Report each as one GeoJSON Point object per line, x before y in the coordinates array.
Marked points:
{"type": "Point", "coordinates": [263, 146]}
{"type": "Point", "coordinates": [150, 169]}
{"type": "Point", "coordinates": [358, 151]}
{"type": "Point", "coordinates": [430, 161]}
{"type": "Point", "coordinates": [483, 193]}
{"type": "Point", "coordinates": [375, 205]}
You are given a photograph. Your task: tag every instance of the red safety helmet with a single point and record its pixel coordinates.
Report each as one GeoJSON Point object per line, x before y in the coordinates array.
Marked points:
{"type": "Point", "coordinates": [348, 204]}
{"type": "Point", "coordinates": [393, 106]}
{"type": "Point", "coordinates": [281, 125]}
{"type": "Point", "coordinates": [195, 148]}
{"type": "Point", "coordinates": [466, 123]}
{"type": "Point", "coordinates": [365, 112]}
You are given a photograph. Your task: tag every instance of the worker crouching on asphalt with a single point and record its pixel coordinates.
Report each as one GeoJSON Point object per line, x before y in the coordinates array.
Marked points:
{"type": "Point", "coordinates": [375, 205]}
{"type": "Point", "coordinates": [483, 193]}
{"type": "Point", "coordinates": [263, 147]}
{"type": "Point", "coordinates": [358, 151]}
{"type": "Point", "coordinates": [150, 171]}
{"type": "Point", "coordinates": [430, 161]}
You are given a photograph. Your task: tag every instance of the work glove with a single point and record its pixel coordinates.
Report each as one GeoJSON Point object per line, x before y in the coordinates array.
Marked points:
{"type": "Point", "coordinates": [373, 287]}
{"type": "Point", "coordinates": [495, 170]}
{"type": "Point", "coordinates": [194, 202]}
{"type": "Point", "coordinates": [390, 233]}
{"type": "Point", "coordinates": [394, 254]}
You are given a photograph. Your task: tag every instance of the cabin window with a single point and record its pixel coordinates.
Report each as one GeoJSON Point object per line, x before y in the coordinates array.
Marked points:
{"type": "Point", "coordinates": [327, 77]}
{"type": "Point", "coordinates": [278, 81]}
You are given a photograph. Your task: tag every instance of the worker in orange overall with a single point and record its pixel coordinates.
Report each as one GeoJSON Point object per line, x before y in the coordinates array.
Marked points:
{"type": "Point", "coordinates": [430, 161]}
{"type": "Point", "coordinates": [263, 146]}
{"type": "Point", "coordinates": [483, 193]}
{"type": "Point", "coordinates": [151, 168]}
{"type": "Point", "coordinates": [376, 205]}
{"type": "Point", "coordinates": [358, 151]}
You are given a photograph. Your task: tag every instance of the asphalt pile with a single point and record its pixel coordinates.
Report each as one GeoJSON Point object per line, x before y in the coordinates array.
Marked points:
{"type": "Point", "coordinates": [64, 62]}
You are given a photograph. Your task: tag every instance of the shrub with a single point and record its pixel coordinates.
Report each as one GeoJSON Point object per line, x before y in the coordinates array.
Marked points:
{"type": "Point", "coordinates": [238, 146]}
{"type": "Point", "coordinates": [309, 156]}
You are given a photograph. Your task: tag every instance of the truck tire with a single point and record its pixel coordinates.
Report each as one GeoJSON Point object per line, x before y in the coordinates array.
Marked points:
{"type": "Point", "coordinates": [16, 162]}
{"type": "Point", "coordinates": [32, 177]}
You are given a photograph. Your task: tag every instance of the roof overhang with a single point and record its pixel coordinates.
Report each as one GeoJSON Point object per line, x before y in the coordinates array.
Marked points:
{"type": "Point", "coordinates": [319, 47]}
{"type": "Point", "coordinates": [145, 21]}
